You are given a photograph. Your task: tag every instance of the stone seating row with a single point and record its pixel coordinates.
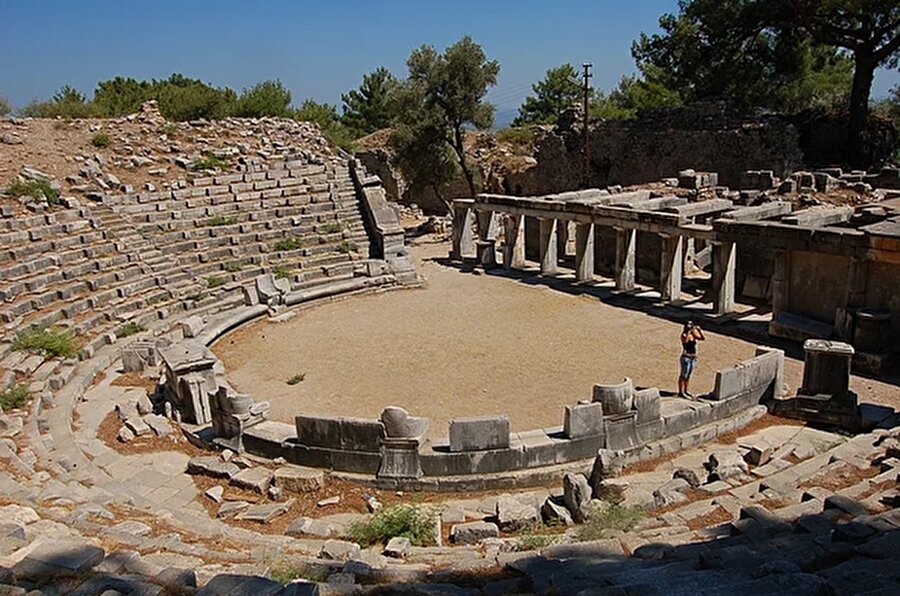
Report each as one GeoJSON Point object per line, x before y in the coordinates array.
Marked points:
{"type": "Point", "coordinates": [94, 282]}
{"type": "Point", "coordinates": [250, 182]}
{"type": "Point", "coordinates": [102, 285]}
{"type": "Point", "coordinates": [34, 222]}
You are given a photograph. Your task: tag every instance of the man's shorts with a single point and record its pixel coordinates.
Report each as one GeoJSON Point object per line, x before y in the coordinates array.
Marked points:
{"type": "Point", "coordinates": [687, 366]}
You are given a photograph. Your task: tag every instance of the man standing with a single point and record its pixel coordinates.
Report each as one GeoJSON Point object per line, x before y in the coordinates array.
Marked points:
{"type": "Point", "coordinates": [690, 335]}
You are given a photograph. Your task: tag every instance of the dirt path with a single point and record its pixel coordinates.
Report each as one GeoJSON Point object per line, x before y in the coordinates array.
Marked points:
{"type": "Point", "coordinates": [467, 345]}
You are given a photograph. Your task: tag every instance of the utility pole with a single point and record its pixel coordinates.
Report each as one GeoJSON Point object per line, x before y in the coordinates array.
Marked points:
{"type": "Point", "coordinates": [587, 147]}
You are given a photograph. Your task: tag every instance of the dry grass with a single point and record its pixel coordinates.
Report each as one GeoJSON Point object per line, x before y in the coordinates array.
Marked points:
{"type": "Point", "coordinates": [109, 428]}
{"type": "Point", "coordinates": [715, 517]}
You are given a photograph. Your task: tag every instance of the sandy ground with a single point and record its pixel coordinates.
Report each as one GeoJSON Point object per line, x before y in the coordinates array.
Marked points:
{"type": "Point", "coordinates": [467, 345]}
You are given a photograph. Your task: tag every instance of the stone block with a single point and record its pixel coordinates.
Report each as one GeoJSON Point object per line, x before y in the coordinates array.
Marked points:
{"type": "Point", "coordinates": [210, 465]}
{"type": "Point", "coordinates": [339, 550]}
{"type": "Point", "coordinates": [264, 513]}
{"type": "Point", "coordinates": [240, 584]}
{"type": "Point", "coordinates": [398, 423]}
{"type": "Point", "coordinates": [297, 479]}
{"type": "Point", "coordinates": [400, 458]}
{"type": "Point", "coordinates": [648, 405]}
{"type": "Point", "coordinates": [256, 479]}
{"type": "Point", "coordinates": [359, 434]}
{"type": "Point", "coordinates": [513, 515]}
{"type": "Point", "coordinates": [621, 431]}
{"type": "Point", "coordinates": [319, 431]}
{"type": "Point", "coordinates": [473, 532]}
{"type": "Point", "coordinates": [479, 433]}
{"type": "Point", "coordinates": [397, 547]}
{"type": "Point", "coordinates": [582, 420]}
{"type": "Point", "coordinates": [577, 496]}
{"type": "Point", "coordinates": [616, 399]}
{"type": "Point", "coordinates": [192, 326]}
{"type": "Point", "coordinates": [554, 513]}
{"type": "Point", "coordinates": [160, 425]}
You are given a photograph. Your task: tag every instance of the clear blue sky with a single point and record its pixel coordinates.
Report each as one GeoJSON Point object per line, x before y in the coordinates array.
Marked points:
{"type": "Point", "coordinates": [318, 49]}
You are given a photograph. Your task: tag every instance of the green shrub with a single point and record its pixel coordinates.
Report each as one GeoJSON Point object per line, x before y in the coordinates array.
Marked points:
{"type": "Point", "coordinates": [409, 521]}
{"type": "Point", "coordinates": [284, 571]}
{"type": "Point", "coordinates": [47, 341]}
{"type": "Point", "coordinates": [332, 228]}
{"type": "Point", "coordinates": [209, 162]}
{"type": "Point", "coordinates": [281, 272]}
{"type": "Point", "coordinates": [221, 220]}
{"type": "Point", "coordinates": [196, 296]}
{"type": "Point", "coordinates": [518, 136]}
{"type": "Point", "coordinates": [232, 267]}
{"type": "Point", "coordinates": [214, 281]}
{"type": "Point", "coordinates": [14, 397]}
{"type": "Point", "coordinates": [287, 244]}
{"type": "Point", "coordinates": [266, 98]}
{"type": "Point", "coordinates": [298, 378]}
{"type": "Point", "coordinates": [346, 246]}
{"type": "Point", "coordinates": [130, 328]}
{"type": "Point", "coordinates": [35, 189]}
{"type": "Point", "coordinates": [536, 541]}
{"type": "Point", "coordinates": [101, 139]}
{"type": "Point", "coordinates": [608, 516]}
{"type": "Point", "coordinates": [168, 129]}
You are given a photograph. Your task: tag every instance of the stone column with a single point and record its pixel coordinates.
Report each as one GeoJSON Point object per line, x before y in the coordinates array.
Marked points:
{"type": "Point", "coordinates": [462, 237]}
{"type": "Point", "coordinates": [584, 251]}
{"type": "Point", "coordinates": [626, 240]}
{"type": "Point", "coordinates": [514, 242]}
{"type": "Point", "coordinates": [671, 268]}
{"type": "Point", "coordinates": [562, 238]}
{"type": "Point", "coordinates": [781, 282]}
{"type": "Point", "coordinates": [548, 246]}
{"type": "Point", "coordinates": [488, 225]}
{"type": "Point", "coordinates": [486, 246]}
{"type": "Point", "coordinates": [724, 262]}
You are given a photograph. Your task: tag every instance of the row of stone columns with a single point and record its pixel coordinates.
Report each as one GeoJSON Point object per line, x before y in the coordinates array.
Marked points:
{"type": "Point", "coordinates": [553, 238]}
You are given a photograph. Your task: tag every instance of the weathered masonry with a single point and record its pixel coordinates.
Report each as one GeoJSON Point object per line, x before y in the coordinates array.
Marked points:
{"type": "Point", "coordinates": [826, 272]}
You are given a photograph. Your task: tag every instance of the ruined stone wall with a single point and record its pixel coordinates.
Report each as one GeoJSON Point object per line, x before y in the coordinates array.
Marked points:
{"type": "Point", "coordinates": [658, 145]}
{"type": "Point", "coordinates": [818, 284]}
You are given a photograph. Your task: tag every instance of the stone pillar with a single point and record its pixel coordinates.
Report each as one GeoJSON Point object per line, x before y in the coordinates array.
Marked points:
{"type": "Point", "coordinates": [781, 282]}
{"type": "Point", "coordinates": [562, 238]}
{"type": "Point", "coordinates": [724, 261]}
{"type": "Point", "coordinates": [625, 252]}
{"type": "Point", "coordinates": [671, 268]}
{"type": "Point", "coordinates": [584, 251]}
{"type": "Point", "coordinates": [826, 368]}
{"type": "Point", "coordinates": [486, 246]}
{"type": "Point", "coordinates": [514, 242]}
{"type": "Point", "coordinates": [548, 246]}
{"type": "Point", "coordinates": [462, 237]}
{"type": "Point", "coordinates": [488, 225]}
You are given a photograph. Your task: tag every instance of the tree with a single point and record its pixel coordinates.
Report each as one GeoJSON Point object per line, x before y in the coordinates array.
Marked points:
{"type": "Point", "coordinates": [182, 98]}
{"type": "Point", "coordinates": [266, 98]}
{"type": "Point", "coordinates": [556, 92]}
{"type": "Point", "coordinates": [367, 109]}
{"type": "Point", "coordinates": [67, 102]}
{"type": "Point", "coordinates": [326, 116]}
{"type": "Point", "coordinates": [735, 49]}
{"type": "Point", "coordinates": [5, 108]}
{"type": "Point", "coordinates": [121, 96]}
{"type": "Point", "coordinates": [450, 90]}
{"type": "Point", "coordinates": [419, 140]}
{"type": "Point", "coordinates": [868, 29]}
